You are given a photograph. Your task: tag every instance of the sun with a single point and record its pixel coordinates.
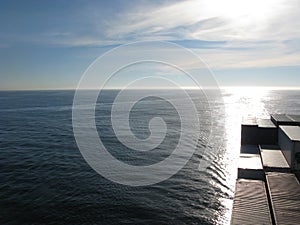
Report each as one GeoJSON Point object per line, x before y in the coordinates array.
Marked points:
{"type": "Point", "coordinates": [244, 11]}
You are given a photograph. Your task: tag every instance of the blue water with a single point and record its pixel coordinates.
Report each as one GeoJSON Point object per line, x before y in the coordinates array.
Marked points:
{"type": "Point", "coordinates": [45, 180]}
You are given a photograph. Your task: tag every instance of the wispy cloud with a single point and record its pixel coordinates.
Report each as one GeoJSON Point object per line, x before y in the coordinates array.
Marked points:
{"type": "Point", "coordinates": [239, 34]}
{"type": "Point", "coordinates": [229, 33]}
{"type": "Point", "coordinates": [209, 20]}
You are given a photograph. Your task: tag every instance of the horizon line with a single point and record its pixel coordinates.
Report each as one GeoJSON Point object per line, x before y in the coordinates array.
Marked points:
{"type": "Point", "coordinates": [162, 88]}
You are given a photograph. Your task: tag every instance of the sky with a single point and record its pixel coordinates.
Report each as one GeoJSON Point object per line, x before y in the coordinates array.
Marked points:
{"type": "Point", "coordinates": [50, 44]}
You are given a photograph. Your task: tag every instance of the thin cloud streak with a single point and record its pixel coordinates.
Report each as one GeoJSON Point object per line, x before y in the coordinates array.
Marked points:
{"type": "Point", "coordinates": [261, 39]}
{"type": "Point", "coordinates": [205, 21]}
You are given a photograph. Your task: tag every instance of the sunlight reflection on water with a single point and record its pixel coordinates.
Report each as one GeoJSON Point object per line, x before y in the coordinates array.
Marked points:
{"type": "Point", "coordinates": [239, 103]}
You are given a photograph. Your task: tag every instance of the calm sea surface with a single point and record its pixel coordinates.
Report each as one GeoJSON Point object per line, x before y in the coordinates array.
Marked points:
{"type": "Point", "coordinates": [45, 180]}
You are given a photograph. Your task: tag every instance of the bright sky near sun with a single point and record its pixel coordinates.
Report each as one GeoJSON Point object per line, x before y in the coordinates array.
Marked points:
{"type": "Point", "coordinates": [49, 44]}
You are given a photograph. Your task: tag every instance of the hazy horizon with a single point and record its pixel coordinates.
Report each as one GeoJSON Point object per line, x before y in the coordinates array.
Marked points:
{"type": "Point", "coordinates": [163, 88]}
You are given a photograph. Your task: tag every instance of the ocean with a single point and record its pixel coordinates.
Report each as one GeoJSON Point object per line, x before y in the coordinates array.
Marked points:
{"type": "Point", "coordinates": [44, 178]}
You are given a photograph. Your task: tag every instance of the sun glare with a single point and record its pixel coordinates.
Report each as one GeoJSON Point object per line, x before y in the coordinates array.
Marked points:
{"type": "Point", "coordinates": [246, 102]}
{"type": "Point", "coordinates": [251, 93]}
{"type": "Point", "coordinates": [243, 11]}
